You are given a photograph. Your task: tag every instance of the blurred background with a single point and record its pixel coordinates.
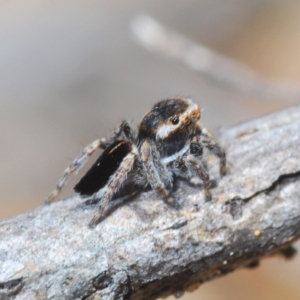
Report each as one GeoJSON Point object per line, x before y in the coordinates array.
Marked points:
{"type": "Point", "coordinates": [71, 70]}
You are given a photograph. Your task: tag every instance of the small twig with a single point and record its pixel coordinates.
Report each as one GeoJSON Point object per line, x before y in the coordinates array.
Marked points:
{"type": "Point", "coordinates": [227, 72]}
{"type": "Point", "coordinates": [145, 249]}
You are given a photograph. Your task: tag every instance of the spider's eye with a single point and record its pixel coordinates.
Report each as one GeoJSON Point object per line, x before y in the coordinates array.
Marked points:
{"type": "Point", "coordinates": [175, 120]}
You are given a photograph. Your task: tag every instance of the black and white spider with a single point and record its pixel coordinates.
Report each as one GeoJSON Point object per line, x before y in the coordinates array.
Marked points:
{"type": "Point", "coordinates": [168, 143]}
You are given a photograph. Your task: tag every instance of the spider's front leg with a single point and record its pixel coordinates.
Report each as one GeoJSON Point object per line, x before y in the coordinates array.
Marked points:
{"type": "Point", "coordinates": [195, 164]}
{"type": "Point", "coordinates": [158, 176]}
{"type": "Point", "coordinates": [189, 164]}
{"type": "Point", "coordinates": [205, 140]}
{"type": "Point", "coordinates": [124, 128]}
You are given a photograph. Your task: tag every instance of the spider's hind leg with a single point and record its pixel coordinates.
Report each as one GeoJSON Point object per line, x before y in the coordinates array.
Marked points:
{"type": "Point", "coordinates": [75, 166]}
{"type": "Point", "coordinates": [124, 128]}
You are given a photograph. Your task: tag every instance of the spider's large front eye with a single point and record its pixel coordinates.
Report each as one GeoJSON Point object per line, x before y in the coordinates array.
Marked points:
{"type": "Point", "coordinates": [175, 120]}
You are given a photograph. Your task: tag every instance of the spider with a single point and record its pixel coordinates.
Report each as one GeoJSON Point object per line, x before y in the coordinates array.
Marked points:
{"type": "Point", "coordinates": [168, 144]}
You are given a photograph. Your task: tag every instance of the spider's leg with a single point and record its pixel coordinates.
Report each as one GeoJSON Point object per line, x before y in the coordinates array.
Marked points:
{"type": "Point", "coordinates": [75, 166]}
{"type": "Point", "coordinates": [209, 142]}
{"type": "Point", "coordinates": [157, 173]}
{"type": "Point", "coordinates": [114, 184]}
{"type": "Point", "coordinates": [80, 161]}
{"type": "Point", "coordinates": [194, 165]}
{"type": "Point", "coordinates": [125, 129]}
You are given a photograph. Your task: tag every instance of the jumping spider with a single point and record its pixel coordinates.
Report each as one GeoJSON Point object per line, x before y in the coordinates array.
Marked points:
{"type": "Point", "coordinates": [169, 143]}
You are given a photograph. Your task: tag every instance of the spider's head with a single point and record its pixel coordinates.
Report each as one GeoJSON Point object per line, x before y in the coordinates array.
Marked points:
{"type": "Point", "coordinates": [170, 119]}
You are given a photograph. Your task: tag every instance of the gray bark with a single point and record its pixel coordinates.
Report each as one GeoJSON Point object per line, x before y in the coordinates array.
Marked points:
{"type": "Point", "coordinates": [145, 249]}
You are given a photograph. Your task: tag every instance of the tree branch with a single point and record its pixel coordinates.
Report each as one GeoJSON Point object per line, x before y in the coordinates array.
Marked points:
{"type": "Point", "coordinates": [145, 249]}
{"type": "Point", "coordinates": [230, 73]}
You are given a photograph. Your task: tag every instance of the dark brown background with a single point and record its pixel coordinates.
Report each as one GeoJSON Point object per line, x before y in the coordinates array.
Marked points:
{"type": "Point", "coordinates": [70, 71]}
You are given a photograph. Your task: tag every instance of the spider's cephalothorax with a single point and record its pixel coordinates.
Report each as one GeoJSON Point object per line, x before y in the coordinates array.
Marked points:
{"type": "Point", "coordinates": [170, 123]}
{"type": "Point", "coordinates": [169, 143]}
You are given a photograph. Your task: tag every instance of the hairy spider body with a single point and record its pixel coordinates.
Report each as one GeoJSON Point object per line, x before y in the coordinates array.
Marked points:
{"type": "Point", "coordinates": [169, 143]}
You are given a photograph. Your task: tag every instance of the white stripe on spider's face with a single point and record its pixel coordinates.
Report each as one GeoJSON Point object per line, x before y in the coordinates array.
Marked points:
{"type": "Point", "coordinates": [167, 128]}
{"type": "Point", "coordinates": [164, 130]}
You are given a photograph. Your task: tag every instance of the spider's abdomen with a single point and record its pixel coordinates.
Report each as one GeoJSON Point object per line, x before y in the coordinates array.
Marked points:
{"type": "Point", "coordinates": [104, 167]}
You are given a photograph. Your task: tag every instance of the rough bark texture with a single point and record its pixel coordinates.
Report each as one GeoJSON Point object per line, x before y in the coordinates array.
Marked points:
{"type": "Point", "coordinates": [145, 249]}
